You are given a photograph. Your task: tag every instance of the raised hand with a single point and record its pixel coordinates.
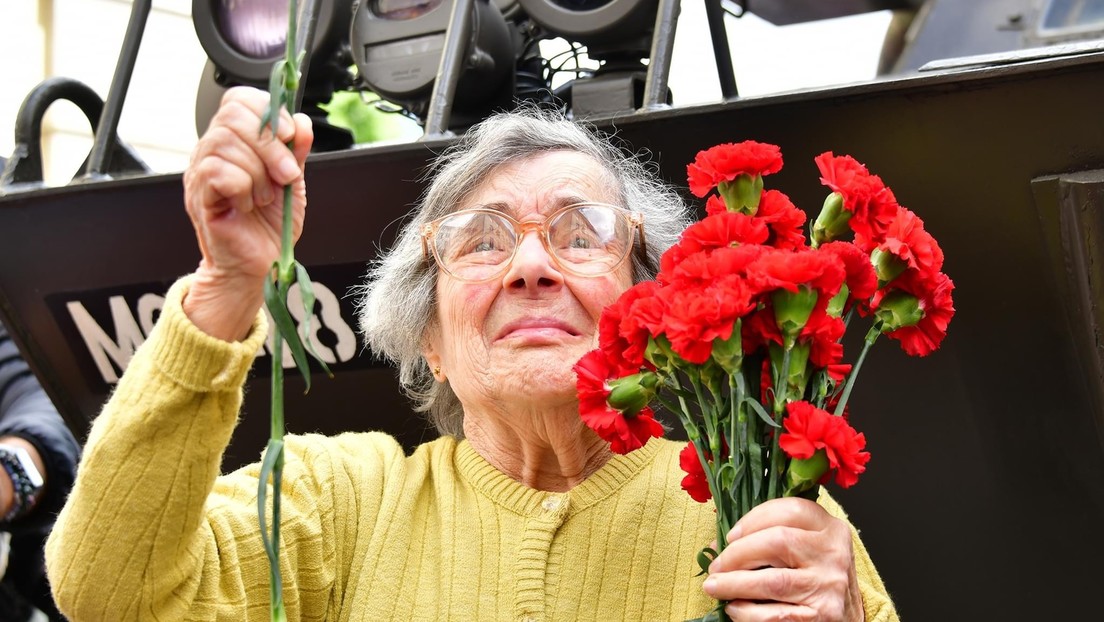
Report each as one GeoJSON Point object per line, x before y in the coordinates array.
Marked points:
{"type": "Point", "coordinates": [233, 191]}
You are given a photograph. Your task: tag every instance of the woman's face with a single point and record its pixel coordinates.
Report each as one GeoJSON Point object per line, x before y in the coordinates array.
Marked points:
{"type": "Point", "coordinates": [512, 341]}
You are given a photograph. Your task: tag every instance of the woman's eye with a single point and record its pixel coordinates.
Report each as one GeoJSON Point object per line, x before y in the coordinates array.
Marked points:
{"type": "Point", "coordinates": [579, 241]}
{"type": "Point", "coordinates": [484, 246]}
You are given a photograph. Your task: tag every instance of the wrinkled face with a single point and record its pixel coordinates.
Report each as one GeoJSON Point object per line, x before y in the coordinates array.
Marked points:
{"type": "Point", "coordinates": [512, 341]}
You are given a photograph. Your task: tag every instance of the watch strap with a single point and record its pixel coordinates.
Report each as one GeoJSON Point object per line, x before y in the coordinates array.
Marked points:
{"type": "Point", "coordinates": [26, 480]}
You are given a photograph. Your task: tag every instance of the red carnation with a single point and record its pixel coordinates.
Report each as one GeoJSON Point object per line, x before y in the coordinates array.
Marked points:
{"type": "Point", "coordinates": [823, 333]}
{"type": "Point", "coordinates": [623, 433]}
{"type": "Point", "coordinates": [717, 231]}
{"type": "Point", "coordinates": [871, 203]}
{"type": "Point", "coordinates": [727, 161]}
{"type": "Point", "coordinates": [913, 247]}
{"type": "Point", "coordinates": [715, 205]}
{"type": "Point", "coordinates": [620, 335]}
{"type": "Point", "coordinates": [760, 329]}
{"type": "Point", "coordinates": [785, 222]}
{"type": "Point", "coordinates": [934, 298]}
{"type": "Point", "coordinates": [695, 483]}
{"type": "Point", "coordinates": [809, 429]}
{"type": "Point", "coordinates": [861, 280]}
{"type": "Point", "coordinates": [789, 270]}
{"type": "Point", "coordinates": [696, 316]}
{"type": "Point", "coordinates": [705, 267]}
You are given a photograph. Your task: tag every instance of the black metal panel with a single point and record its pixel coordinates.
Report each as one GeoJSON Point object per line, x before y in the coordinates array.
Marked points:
{"type": "Point", "coordinates": [983, 500]}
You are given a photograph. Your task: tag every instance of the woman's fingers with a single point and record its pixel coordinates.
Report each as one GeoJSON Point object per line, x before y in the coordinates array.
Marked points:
{"type": "Point", "coordinates": [786, 557]}
{"type": "Point", "coordinates": [235, 140]}
{"type": "Point", "coordinates": [766, 584]}
{"type": "Point", "coordinates": [778, 547]}
{"type": "Point", "coordinates": [790, 511]}
{"type": "Point", "coordinates": [747, 611]}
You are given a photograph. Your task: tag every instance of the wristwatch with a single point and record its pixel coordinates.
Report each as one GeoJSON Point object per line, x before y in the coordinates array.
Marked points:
{"type": "Point", "coordinates": [26, 480]}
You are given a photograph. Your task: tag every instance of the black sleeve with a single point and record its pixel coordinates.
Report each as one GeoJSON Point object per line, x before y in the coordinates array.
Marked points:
{"type": "Point", "coordinates": [27, 412]}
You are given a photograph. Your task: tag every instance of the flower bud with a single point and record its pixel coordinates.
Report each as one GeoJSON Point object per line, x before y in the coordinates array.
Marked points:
{"type": "Point", "coordinates": [742, 194]}
{"type": "Point", "coordinates": [632, 393]}
{"type": "Point", "coordinates": [897, 310]}
{"type": "Point", "coordinates": [832, 221]}
{"type": "Point", "coordinates": [887, 266]}
{"type": "Point", "coordinates": [792, 311]}
{"type": "Point", "coordinates": [802, 475]}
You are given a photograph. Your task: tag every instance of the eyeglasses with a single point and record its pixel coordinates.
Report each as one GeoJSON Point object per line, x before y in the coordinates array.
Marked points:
{"type": "Point", "coordinates": [585, 239]}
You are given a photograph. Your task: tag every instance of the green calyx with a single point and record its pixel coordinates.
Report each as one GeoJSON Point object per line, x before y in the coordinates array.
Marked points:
{"type": "Point", "coordinates": [832, 221]}
{"type": "Point", "coordinates": [887, 266]}
{"type": "Point", "coordinates": [742, 194]}
{"type": "Point", "coordinates": [803, 474]}
{"type": "Point", "coordinates": [837, 303]}
{"type": "Point", "coordinates": [898, 310]}
{"type": "Point", "coordinates": [632, 393]}
{"type": "Point", "coordinates": [792, 311]}
{"type": "Point", "coordinates": [728, 354]}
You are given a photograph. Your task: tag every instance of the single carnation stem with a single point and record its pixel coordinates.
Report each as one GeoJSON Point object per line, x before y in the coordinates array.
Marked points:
{"type": "Point", "coordinates": [781, 390]}
{"type": "Point", "coordinates": [739, 440]}
{"type": "Point", "coordinates": [871, 336]}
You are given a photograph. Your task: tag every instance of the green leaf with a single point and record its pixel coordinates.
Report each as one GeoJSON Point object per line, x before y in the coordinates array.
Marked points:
{"type": "Point", "coordinates": [272, 459]}
{"type": "Point", "coordinates": [285, 327]}
{"type": "Point", "coordinates": [728, 474]}
{"type": "Point", "coordinates": [278, 95]}
{"type": "Point", "coordinates": [758, 408]}
{"type": "Point", "coordinates": [683, 393]}
{"type": "Point", "coordinates": [755, 460]}
{"type": "Point", "coordinates": [705, 557]}
{"type": "Point", "coordinates": [306, 292]}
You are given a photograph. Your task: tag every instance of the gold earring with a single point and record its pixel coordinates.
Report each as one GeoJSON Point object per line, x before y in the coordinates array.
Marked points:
{"type": "Point", "coordinates": [437, 370]}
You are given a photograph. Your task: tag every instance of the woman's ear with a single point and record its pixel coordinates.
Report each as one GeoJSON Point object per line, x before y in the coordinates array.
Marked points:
{"type": "Point", "coordinates": [432, 355]}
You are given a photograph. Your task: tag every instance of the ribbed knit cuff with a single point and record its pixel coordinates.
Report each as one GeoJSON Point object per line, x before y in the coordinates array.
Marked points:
{"type": "Point", "coordinates": [195, 360]}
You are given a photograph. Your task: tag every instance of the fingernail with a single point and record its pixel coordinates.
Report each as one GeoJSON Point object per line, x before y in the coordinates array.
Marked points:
{"type": "Point", "coordinates": [709, 585]}
{"type": "Point", "coordinates": [735, 533]}
{"type": "Point", "coordinates": [288, 170]}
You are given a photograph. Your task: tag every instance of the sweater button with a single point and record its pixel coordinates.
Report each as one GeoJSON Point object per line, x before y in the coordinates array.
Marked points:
{"type": "Point", "coordinates": [529, 619]}
{"type": "Point", "coordinates": [551, 504]}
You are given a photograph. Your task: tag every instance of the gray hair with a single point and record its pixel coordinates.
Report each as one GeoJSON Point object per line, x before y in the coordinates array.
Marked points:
{"type": "Point", "coordinates": [397, 302]}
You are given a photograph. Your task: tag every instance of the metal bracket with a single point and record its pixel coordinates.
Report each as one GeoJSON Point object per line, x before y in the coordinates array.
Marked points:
{"type": "Point", "coordinates": [23, 170]}
{"type": "Point", "coordinates": [1071, 214]}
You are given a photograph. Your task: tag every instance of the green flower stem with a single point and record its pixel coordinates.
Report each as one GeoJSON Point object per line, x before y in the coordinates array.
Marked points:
{"type": "Point", "coordinates": [709, 419]}
{"type": "Point", "coordinates": [284, 80]}
{"type": "Point", "coordinates": [781, 389]}
{"type": "Point", "coordinates": [740, 439]}
{"type": "Point", "coordinates": [871, 336]}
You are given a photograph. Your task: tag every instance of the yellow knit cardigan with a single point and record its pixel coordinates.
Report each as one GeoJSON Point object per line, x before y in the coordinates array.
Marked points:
{"type": "Point", "coordinates": [151, 531]}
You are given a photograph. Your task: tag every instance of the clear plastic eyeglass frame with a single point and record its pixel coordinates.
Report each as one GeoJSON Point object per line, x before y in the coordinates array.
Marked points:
{"type": "Point", "coordinates": [635, 220]}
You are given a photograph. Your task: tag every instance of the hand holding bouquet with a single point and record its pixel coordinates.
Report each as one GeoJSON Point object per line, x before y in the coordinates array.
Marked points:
{"type": "Point", "coordinates": [740, 333]}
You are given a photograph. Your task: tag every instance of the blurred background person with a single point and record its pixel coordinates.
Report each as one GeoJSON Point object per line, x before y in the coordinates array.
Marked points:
{"type": "Point", "coordinates": [38, 456]}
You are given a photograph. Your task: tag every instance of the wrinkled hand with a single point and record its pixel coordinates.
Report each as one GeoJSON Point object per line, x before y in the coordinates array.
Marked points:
{"type": "Point", "coordinates": [233, 191]}
{"type": "Point", "coordinates": [788, 559]}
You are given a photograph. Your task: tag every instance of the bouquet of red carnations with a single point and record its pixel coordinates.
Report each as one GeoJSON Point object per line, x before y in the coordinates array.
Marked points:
{"type": "Point", "coordinates": [740, 333]}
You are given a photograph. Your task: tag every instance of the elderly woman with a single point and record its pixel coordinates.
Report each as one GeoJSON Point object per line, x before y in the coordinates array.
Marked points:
{"type": "Point", "coordinates": [518, 512]}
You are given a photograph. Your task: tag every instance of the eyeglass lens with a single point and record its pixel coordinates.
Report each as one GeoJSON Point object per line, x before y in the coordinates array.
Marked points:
{"type": "Point", "coordinates": [587, 239]}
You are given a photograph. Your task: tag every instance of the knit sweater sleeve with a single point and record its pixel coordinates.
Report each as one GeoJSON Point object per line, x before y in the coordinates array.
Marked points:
{"type": "Point", "coordinates": [149, 534]}
{"type": "Point", "coordinates": [877, 604]}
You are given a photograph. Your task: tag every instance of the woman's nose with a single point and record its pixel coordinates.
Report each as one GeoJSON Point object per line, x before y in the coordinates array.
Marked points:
{"type": "Point", "coordinates": [533, 268]}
